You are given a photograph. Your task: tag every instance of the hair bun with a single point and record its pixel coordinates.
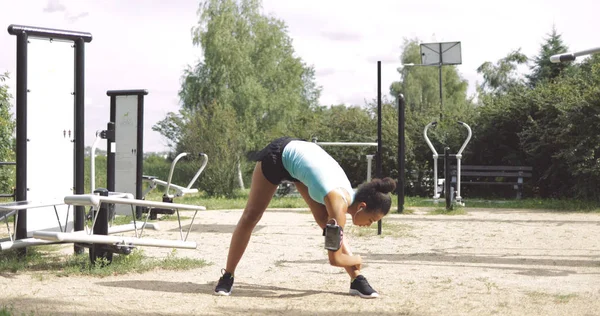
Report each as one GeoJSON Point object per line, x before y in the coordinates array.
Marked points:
{"type": "Point", "coordinates": [386, 185]}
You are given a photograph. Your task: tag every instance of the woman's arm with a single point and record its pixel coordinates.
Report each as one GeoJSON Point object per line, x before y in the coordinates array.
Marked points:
{"type": "Point", "coordinates": [336, 209]}
{"type": "Point", "coordinates": [319, 212]}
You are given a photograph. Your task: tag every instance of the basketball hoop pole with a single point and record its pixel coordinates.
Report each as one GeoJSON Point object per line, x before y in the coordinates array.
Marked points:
{"type": "Point", "coordinates": [440, 54]}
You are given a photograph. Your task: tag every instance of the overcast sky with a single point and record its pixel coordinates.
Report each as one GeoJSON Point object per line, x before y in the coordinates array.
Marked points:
{"type": "Point", "coordinates": [142, 44]}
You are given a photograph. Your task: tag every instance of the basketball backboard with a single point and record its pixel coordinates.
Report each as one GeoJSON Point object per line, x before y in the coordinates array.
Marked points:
{"type": "Point", "coordinates": [447, 53]}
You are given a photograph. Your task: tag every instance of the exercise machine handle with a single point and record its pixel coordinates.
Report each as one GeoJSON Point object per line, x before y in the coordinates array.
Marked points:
{"type": "Point", "coordinates": [204, 162]}
{"type": "Point", "coordinates": [434, 124]}
{"type": "Point", "coordinates": [99, 136]}
{"type": "Point", "coordinates": [181, 155]}
{"type": "Point", "coordinates": [470, 133]}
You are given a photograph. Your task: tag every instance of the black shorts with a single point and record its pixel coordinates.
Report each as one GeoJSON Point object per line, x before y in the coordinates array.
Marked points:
{"type": "Point", "coordinates": [270, 158]}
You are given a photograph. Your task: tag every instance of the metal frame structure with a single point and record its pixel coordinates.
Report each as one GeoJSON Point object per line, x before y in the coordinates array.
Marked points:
{"type": "Point", "coordinates": [179, 190]}
{"type": "Point", "coordinates": [458, 157]}
{"type": "Point", "coordinates": [97, 237]}
{"type": "Point", "coordinates": [23, 33]}
{"type": "Point", "coordinates": [126, 148]}
{"type": "Point", "coordinates": [96, 201]}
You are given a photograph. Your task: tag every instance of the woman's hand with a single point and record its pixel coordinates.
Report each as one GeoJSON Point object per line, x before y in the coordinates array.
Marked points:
{"type": "Point", "coordinates": [337, 208]}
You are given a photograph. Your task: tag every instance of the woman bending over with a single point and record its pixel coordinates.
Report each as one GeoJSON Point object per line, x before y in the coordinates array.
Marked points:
{"type": "Point", "coordinates": [326, 189]}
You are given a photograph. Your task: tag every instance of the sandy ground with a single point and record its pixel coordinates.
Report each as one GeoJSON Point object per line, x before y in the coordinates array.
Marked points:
{"type": "Point", "coordinates": [487, 262]}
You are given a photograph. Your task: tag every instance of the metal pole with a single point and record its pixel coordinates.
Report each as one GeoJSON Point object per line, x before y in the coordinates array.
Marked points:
{"type": "Point", "coordinates": [79, 154]}
{"type": "Point", "coordinates": [435, 161]}
{"type": "Point", "coordinates": [558, 58]}
{"type": "Point", "coordinates": [401, 152]}
{"type": "Point", "coordinates": [447, 179]}
{"type": "Point", "coordinates": [369, 159]}
{"type": "Point", "coordinates": [343, 143]}
{"type": "Point", "coordinates": [378, 172]}
{"type": "Point", "coordinates": [21, 154]}
{"type": "Point", "coordinates": [458, 162]}
{"type": "Point", "coordinates": [440, 79]}
{"type": "Point", "coordinates": [98, 251]}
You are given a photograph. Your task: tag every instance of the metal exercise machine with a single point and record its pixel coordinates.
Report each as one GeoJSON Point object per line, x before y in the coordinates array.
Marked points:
{"type": "Point", "coordinates": [154, 182]}
{"type": "Point", "coordinates": [50, 84]}
{"type": "Point", "coordinates": [50, 94]}
{"type": "Point", "coordinates": [444, 185]}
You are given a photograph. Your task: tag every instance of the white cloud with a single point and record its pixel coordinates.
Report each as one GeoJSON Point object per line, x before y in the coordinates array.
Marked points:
{"type": "Point", "coordinates": [146, 45]}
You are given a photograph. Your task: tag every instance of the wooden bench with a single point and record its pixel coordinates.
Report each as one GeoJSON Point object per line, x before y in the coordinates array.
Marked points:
{"type": "Point", "coordinates": [493, 175]}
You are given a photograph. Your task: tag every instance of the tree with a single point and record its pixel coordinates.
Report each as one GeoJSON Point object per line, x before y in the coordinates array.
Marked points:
{"type": "Point", "coordinates": [543, 69]}
{"type": "Point", "coordinates": [172, 126]}
{"type": "Point", "coordinates": [502, 76]}
{"type": "Point", "coordinates": [248, 66]}
{"type": "Point", "coordinates": [215, 133]}
{"type": "Point", "coordinates": [249, 63]}
{"type": "Point", "coordinates": [7, 143]}
{"type": "Point", "coordinates": [549, 126]}
{"type": "Point", "coordinates": [560, 137]}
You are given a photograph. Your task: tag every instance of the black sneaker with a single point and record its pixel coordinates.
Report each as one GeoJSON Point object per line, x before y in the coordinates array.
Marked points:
{"type": "Point", "coordinates": [360, 286]}
{"type": "Point", "coordinates": [225, 284]}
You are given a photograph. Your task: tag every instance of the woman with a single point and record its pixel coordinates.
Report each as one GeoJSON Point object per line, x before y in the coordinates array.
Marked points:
{"type": "Point", "coordinates": [327, 191]}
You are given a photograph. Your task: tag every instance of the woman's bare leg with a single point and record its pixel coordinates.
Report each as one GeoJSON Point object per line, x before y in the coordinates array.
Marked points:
{"type": "Point", "coordinates": [261, 192]}
{"type": "Point", "coordinates": [320, 214]}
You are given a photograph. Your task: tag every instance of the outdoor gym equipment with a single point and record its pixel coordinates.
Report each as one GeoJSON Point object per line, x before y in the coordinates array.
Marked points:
{"type": "Point", "coordinates": [125, 145]}
{"type": "Point", "coordinates": [96, 201]}
{"type": "Point", "coordinates": [440, 184]}
{"type": "Point", "coordinates": [125, 149]}
{"type": "Point", "coordinates": [153, 182]}
{"type": "Point", "coordinates": [50, 94]}
{"type": "Point", "coordinates": [50, 71]}
{"type": "Point", "coordinates": [124, 136]}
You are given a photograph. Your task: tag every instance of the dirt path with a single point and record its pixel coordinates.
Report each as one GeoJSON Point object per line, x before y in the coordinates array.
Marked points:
{"type": "Point", "coordinates": [488, 262]}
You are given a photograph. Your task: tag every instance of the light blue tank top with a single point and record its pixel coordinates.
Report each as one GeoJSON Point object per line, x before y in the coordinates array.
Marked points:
{"type": "Point", "coordinates": [314, 167]}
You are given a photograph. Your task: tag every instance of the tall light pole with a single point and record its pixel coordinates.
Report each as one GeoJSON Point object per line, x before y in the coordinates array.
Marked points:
{"type": "Point", "coordinates": [558, 58]}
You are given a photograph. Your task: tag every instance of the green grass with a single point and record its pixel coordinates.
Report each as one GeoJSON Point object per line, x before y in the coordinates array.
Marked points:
{"type": "Point", "coordinates": [528, 203]}
{"type": "Point", "coordinates": [546, 204]}
{"type": "Point", "coordinates": [42, 261]}
{"type": "Point", "coordinates": [7, 311]}
{"type": "Point", "coordinates": [556, 298]}
{"type": "Point", "coordinates": [236, 202]}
